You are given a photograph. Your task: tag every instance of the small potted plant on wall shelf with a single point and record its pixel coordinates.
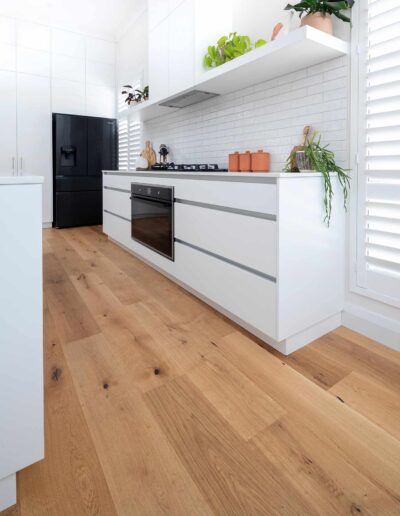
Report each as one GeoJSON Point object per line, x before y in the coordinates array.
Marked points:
{"type": "Point", "coordinates": [135, 96]}
{"type": "Point", "coordinates": [318, 13]}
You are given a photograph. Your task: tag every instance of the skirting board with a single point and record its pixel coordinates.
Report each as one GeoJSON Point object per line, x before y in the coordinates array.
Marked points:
{"type": "Point", "coordinates": [372, 325]}
{"type": "Point", "coordinates": [286, 346]}
{"type": "Point", "coordinates": [8, 491]}
{"type": "Point", "coordinates": [47, 225]}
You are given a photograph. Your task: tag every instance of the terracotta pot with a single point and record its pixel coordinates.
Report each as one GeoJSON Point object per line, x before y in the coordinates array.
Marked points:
{"type": "Point", "coordinates": [234, 162]}
{"type": "Point", "coordinates": [260, 161]}
{"type": "Point", "coordinates": [319, 21]}
{"type": "Point", "coordinates": [245, 161]}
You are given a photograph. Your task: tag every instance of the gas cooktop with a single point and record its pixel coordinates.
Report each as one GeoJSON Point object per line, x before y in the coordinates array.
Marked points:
{"type": "Point", "coordinates": [188, 168]}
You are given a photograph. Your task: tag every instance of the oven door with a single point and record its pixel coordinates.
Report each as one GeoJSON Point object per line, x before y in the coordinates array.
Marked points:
{"type": "Point", "coordinates": [153, 218]}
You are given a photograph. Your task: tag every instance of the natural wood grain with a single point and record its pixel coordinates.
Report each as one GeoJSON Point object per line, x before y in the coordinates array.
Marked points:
{"type": "Point", "coordinates": [232, 475]}
{"type": "Point", "coordinates": [141, 468]}
{"type": "Point", "coordinates": [246, 407]}
{"type": "Point", "coordinates": [375, 453]}
{"type": "Point", "coordinates": [372, 399]}
{"type": "Point", "coordinates": [70, 479]}
{"type": "Point", "coordinates": [157, 404]}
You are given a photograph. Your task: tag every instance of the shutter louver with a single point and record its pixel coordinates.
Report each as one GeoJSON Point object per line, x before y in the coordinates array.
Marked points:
{"type": "Point", "coordinates": [134, 142]}
{"type": "Point", "coordinates": [123, 150]}
{"type": "Point", "coordinates": [380, 150]}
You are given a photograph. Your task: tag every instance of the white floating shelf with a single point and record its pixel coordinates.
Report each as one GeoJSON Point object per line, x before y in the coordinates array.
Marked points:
{"type": "Point", "coordinates": [299, 49]}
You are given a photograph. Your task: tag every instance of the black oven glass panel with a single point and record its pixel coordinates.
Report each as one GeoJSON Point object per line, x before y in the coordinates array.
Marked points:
{"type": "Point", "coordinates": [153, 218]}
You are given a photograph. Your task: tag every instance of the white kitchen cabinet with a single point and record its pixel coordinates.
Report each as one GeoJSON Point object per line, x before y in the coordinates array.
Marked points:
{"type": "Point", "coordinates": [181, 43]}
{"type": "Point", "coordinates": [8, 123]}
{"type": "Point", "coordinates": [159, 61]}
{"type": "Point", "coordinates": [254, 246]}
{"type": "Point", "coordinates": [21, 330]}
{"type": "Point", "coordinates": [179, 34]}
{"type": "Point", "coordinates": [34, 133]}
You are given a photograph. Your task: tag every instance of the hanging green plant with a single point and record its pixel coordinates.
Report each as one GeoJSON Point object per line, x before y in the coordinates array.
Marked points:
{"type": "Point", "coordinates": [228, 48]}
{"type": "Point", "coordinates": [317, 158]}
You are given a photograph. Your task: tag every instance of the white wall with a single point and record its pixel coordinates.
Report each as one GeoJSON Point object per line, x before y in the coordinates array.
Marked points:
{"type": "Point", "coordinates": [77, 71]}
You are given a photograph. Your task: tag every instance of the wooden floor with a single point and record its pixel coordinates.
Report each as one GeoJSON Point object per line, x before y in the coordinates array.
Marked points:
{"type": "Point", "coordinates": [156, 404]}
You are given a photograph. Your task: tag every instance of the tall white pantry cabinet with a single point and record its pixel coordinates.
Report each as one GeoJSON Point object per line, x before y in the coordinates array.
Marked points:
{"type": "Point", "coordinates": [21, 330]}
{"type": "Point", "coordinates": [25, 103]}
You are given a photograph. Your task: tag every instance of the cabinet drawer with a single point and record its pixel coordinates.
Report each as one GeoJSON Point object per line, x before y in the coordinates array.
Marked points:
{"type": "Point", "coordinates": [249, 297]}
{"type": "Point", "coordinates": [117, 202]}
{"type": "Point", "coordinates": [250, 195]}
{"type": "Point", "coordinates": [258, 197]}
{"type": "Point", "coordinates": [122, 182]}
{"type": "Point", "coordinates": [248, 240]}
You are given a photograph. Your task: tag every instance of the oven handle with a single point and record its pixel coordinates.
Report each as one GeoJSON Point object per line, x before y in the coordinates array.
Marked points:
{"type": "Point", "coordinates": [151, 199]}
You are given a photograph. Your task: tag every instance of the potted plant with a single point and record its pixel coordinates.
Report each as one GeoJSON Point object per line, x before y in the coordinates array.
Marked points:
{"type": "Point", "coordinates": [318, 13]}
{"type": "Point", "coordinates": [317, 158]}
{"type": "Point", "coordinates": [228, 48]}
{"type": "Point", "coordinates": [135, 96]}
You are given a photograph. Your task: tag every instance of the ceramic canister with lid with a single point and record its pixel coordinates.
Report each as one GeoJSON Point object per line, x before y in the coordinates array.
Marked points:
{"type": "Point", "coordinates": [260, 161]}
{"type": "Point", "coordinates": [245, 161]}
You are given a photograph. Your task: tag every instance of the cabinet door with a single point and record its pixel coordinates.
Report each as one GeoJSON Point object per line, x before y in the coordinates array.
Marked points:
{"type": "Point", "coordinates": [158, 61]}
{"type": "Point", "coordinates": [8, 123]}
{"type": "Point", "coordinates": [158, 10]}
{"type": "Point", "coordinates": [181, 47]}
{"type": "Point", "coordinates": [21, 340]}
{"type": "Point", "coordinates": [34, 133]}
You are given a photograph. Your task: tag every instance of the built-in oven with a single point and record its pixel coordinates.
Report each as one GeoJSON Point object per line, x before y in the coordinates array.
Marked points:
{"type": "Point", "coordinates": [153, 217]}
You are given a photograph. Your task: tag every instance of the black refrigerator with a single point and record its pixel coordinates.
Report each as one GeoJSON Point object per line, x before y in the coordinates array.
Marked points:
{"type": "Point", "coordinates": [82, 148]}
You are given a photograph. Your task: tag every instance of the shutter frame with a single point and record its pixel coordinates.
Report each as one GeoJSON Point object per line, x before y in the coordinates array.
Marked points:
{"type": "Point", "coordinates": [378, 150]}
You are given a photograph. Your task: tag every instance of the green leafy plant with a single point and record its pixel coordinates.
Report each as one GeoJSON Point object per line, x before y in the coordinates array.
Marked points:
{"type": "Point", "coordinates": [135, 96]}
{"type": "Point", "coordinates": [321, 159]}
{"type": "Point", "coordinates": [228, 48]}
{"type": "Point", "coordinates": [323, 6]}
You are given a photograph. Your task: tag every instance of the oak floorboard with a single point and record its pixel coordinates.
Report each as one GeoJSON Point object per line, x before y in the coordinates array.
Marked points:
{"type": "Point", "coordinates": [71, 315]}
{"type": "Point", "coordinates": [331, 484]}
{"type": "Point", "coordinates": [69, 480]}
{"type": "Point", "coordinates": [246, 407]}
{"type": "Point", "coordinates": [372, 399]}
{"type": "Point", "coordinates": [374, 452]}
{"type": "Point", "coordinates": [143, 473]}
{"type": "Point", "coordinates": [232, 475]}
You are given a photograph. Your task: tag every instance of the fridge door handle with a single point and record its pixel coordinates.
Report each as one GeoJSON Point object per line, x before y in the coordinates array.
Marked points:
{"type": "Point", "coordinates": [13, 165]}
{"type": "Point", "coordinates": [20, 163]}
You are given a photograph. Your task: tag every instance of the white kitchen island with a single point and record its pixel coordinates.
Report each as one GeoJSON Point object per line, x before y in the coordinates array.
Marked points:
{"type": "Point", "coordinates": [21, 330]}
{"type": "Point", "coordinates": [253, 246]}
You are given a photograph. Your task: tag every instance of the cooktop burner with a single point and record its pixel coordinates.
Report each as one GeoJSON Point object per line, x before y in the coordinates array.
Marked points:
{"type": "Point", "coordinates": [188, 167]}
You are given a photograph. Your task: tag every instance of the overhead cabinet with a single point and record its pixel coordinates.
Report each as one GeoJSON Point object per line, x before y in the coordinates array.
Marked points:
{"type": "Point", "coordinates": [179, 33]}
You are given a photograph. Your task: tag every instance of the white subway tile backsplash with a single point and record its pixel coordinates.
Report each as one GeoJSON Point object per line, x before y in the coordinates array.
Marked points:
{"type": "Point", "coordinates": [270, 115]}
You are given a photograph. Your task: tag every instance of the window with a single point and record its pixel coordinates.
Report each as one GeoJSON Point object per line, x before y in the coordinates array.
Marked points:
{"type": "Point", "coordinates": [378, 150]}
{"type": "Point", "coordinates": [129, 143]}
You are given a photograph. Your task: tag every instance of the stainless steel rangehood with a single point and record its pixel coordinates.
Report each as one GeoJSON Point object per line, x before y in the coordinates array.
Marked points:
{"type": "Point", "coordinates": [188, 99]}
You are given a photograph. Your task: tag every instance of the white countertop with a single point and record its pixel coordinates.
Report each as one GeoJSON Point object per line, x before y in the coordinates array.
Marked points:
{"type": "Point", "coordinates": [225, 175]}
{"type": "Point", "coordinates": [21, 180]}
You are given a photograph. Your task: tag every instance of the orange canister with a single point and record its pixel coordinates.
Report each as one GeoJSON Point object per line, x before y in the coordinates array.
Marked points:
{"type": "Point", "coordinates": [260, 161]}
{"type": "Point", "coordinates": [234, 162]}
{"type": "Point", "coordinates": [245, 161]}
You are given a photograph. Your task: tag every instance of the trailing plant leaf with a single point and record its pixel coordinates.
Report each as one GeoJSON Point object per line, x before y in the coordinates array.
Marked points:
{"type": "Point", "coordinates": [322, 160]}
{"type": "Point", "coordinates": [228, 48]}
{"type": "Point", "coordinates": [322, 6]}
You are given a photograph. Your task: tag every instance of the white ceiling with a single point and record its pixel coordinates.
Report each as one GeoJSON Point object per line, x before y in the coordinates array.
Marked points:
{"type": "Point", "coordinates": [104, 18]}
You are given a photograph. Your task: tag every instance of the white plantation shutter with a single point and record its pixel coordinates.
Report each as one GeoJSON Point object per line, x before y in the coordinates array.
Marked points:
{"type": "Point", "coordinates": [379, 150]}
{"type": "Point", "coordinates": [123, 144]}
{"type": "Point", "coordinates": [134, 142]}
